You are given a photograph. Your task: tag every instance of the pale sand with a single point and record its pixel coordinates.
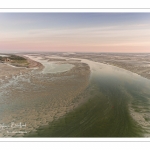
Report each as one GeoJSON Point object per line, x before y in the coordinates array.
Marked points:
{"type": "Point", "coordinates": [7, 71]}
{"type": "Point", "coordinates": [139, 117]}
{"type": "Point", "coordinates": [137, 63]}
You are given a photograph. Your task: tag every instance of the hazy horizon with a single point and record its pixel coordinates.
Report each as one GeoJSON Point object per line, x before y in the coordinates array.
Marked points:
{"type": "Point", "coordinates": [75, 32]}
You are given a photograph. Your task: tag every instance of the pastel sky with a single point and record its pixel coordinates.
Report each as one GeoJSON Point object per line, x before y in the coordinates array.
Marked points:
{"type": "Point", "coordinates": [75, 32]}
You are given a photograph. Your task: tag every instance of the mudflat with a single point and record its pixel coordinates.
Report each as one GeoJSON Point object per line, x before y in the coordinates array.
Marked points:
{"type": "Point", "coordinates": [90, 99]}
{"type": "Point", "coordinates": [35, 99]}
{"type": "Point", "coordinates": [135, 62]}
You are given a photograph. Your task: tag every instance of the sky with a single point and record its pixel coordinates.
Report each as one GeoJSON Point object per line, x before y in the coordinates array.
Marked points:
{"type": "Point", "coordinates": [75, 32]}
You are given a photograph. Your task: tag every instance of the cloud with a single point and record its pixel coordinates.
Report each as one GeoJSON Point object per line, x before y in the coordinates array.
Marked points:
{"type": "Point", "coordinates": [103, 36]}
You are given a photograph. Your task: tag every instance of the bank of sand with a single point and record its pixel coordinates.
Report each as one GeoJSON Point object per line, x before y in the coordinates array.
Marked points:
{"type": "Point", "coordinates": [58, 95]}
{"type": "Point", "coordinates": [137, 63]}
{"type": "Point", "coordinates": [7, 71]}
{"type": "Point", "coordinates": [35, 99]}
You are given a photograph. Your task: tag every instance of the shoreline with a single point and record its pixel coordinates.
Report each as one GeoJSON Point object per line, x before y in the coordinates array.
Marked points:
{"type": "Point", "coordinates": [74, 105]}
{"type": "Point", "coordinates": [55, 100]}
{"type": "Point", "coordinates": [42, 131]}
{"type": "Point", "coordinates": [124, 69]}
{"type": "Point", "coordinates": [9, 70]}
{"type": "Point", "coordinates": [33, 63]}
{"type": "Point", "coordinates": [131, 62]}
{"type": "Point", "coordinates": [144, 76]}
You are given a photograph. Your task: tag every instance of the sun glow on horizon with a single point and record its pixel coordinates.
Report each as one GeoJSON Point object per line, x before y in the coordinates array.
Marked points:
{"type": "Point", "coordinates": [75, 32]}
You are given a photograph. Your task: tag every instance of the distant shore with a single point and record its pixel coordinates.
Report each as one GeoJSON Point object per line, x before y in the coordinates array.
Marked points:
{"type": "Point", "coordinates": [136, 63]}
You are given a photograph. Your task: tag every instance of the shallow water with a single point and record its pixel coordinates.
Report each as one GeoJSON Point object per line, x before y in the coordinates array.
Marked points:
{"type": "Point", "coordinates": [107, 114]}
{"type": "Point", "coordinates": [51, 67]}
{"type": "Point", "coordinates": [120, 108]}
{"type": "Point", "coordinates": [120, 84]}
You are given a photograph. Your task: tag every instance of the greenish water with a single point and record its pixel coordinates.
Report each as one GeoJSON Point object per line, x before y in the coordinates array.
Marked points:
{"type": "Point", "coordinates": [106, 114]}
{"type": "Point", "coordinates": [94, 119]}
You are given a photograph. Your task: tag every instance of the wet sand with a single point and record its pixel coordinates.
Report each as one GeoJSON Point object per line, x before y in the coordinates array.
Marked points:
{"type": "Point", "coordinates": [39, 99]}
{"type": "Point", "coordinates": [36, 99]}
{"type": "Point", "coordinates": [137, 63]}
{"type": "Point", "coordinates": [106, 112]}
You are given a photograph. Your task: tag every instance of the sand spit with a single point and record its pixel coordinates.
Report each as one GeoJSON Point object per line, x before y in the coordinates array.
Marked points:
{"type": "Point", "coordinates": [7, 71]}
{"type": "Point", "coordinates": [34, 99]}
{"type": "Point", "coordinates": [33, 64]}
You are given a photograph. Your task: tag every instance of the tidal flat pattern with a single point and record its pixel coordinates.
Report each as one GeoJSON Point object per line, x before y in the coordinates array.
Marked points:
{"type": "Point", "coordinates": [117, 107]}
{"type": "Point", "coordinates": [89, 100]}
{"type": "Point", "coordinates": [35, 99]}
